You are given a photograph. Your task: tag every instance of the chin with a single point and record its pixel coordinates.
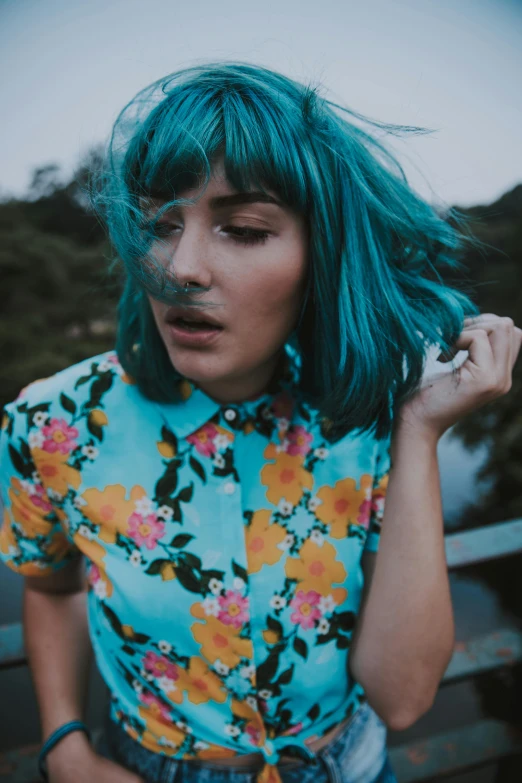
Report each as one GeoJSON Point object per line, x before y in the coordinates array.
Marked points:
{"type": "Point", "coordinates": [198, 367]}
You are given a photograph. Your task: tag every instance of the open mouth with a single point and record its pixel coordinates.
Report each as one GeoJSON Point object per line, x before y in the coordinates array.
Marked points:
{"type": "Point", "coordinates": [195, 326]}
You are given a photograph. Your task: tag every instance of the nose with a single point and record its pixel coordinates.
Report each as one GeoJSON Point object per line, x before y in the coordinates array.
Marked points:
{"type": "Point", "coordinates": [191, 261]}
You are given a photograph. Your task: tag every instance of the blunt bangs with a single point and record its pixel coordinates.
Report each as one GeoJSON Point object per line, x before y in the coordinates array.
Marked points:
{"type": "Point", "coordinates": [376, 297]}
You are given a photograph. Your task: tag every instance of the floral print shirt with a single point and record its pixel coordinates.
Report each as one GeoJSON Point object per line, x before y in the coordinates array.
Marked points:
{"type": "Point", "coordinates": [223, 547]}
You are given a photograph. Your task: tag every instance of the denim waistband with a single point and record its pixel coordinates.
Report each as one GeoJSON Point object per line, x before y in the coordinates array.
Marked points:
{"type": "Point", "coordinates": [355, 755]}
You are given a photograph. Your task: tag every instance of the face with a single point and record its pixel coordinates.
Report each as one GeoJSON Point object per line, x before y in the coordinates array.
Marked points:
{"type": "Point", "coordinates": [252, 256]}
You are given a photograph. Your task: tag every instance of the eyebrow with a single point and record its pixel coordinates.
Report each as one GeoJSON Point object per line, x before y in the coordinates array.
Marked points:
{"type": "Point", "coordinates": [234, 199]}
{"type": "Point", "coordinates": [250, 197]}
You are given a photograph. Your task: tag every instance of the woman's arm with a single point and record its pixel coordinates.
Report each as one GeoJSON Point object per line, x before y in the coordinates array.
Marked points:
{"type": "Point", "coordinates": [59, 651]}
{"type": "Point", "coordinates": [405, 634]}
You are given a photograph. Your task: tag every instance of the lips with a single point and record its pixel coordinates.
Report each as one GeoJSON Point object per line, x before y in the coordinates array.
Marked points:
{"type": "Point", "coordinates": [191, 316]}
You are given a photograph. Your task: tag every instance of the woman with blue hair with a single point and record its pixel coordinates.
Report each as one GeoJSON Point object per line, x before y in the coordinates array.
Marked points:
{"type": "Point", "coordinates": [239, 506]}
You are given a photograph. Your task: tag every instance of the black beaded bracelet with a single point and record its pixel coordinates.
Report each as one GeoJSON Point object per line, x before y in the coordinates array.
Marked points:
{"type": "Point", "coordinates": [56, 736]}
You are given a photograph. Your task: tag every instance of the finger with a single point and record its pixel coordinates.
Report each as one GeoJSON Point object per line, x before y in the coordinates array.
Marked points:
{"type": "Point", "coordinates": [517, 345]}
{"type": "Point", "coordinates": [472, 322]}
{"type": "Point", "coordinates": [500, 334]}
{"type": "Point", "coordinates": [481, 358]}
{"type": "Point", "coordinates": [477, 321]}
{"type": "Point", "coordinates": [487, 321]}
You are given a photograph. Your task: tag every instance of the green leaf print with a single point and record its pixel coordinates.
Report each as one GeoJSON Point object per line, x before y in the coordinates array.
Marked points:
{"type": "Point", "coordinates": [274, 625]}
{"type": "Point", "coordinates": [169, 481]}
{"type": "Point", "coordinates": [198, 469]}
{"type": "Point", "coordinates": [24, 468]}
{"type": "Point", "coordinates": [239, 571]}
{"type": "Point", "coordinates": [67, 404]}
{"type": "Point", "coordinates": [286, 676]}
{"type": "Point", "coordinates": [185, 494]}
{"type": "Point", "coordinates": [189, 579]}
{"type": "Point", "coordinates": [301, 647]}
{"type": "Point", "coordinates": [181, 540]}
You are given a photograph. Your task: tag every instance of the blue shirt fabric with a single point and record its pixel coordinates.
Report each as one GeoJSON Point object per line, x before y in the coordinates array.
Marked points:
{"type": "Point", "coordinates": [223, 546]}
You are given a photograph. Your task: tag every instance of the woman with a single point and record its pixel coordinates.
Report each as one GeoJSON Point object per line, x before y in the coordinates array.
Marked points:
{"type": "Point", "coordinates": [222, 474]}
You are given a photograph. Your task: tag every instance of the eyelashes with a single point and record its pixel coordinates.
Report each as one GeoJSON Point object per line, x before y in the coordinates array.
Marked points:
{"type": "Point", "coordinates": [242, 235]}
{"type": "Point", "coordinates": [246, 236]}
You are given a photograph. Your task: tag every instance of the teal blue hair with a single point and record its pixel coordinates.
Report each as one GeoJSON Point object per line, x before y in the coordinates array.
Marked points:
{"type": "Point", "coordinates": [376, 298]}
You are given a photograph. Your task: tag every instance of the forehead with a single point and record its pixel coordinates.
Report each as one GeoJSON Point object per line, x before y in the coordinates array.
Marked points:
{"type": "Point", "coordinates": [219, 193]}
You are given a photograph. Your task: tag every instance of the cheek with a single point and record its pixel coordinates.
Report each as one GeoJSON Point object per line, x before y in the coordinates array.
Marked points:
{"type": "Point", "coordinates": [275, 287]}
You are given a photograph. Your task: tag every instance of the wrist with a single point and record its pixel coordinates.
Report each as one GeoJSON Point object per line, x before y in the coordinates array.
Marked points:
{"type": "Point", "coordinates": [413, 440]}
{"type": "Point", "coordinates": [69, 743]}
{"type": "Point", "coordinates": [75, 743]}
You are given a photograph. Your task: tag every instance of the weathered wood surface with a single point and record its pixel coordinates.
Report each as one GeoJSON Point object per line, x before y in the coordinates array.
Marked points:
{"type": "Point", "coordinates": [469, 747]}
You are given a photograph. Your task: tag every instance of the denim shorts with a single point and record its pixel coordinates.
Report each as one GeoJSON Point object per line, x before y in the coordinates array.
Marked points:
{"type": "Point", "coordinates": [357, 754]}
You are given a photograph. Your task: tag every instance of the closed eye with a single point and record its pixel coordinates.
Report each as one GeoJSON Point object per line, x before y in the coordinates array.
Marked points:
{"type": "Point", "coordinates": [245, 235]}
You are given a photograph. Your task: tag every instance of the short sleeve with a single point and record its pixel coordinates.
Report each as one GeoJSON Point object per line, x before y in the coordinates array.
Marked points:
{"type": "Point", "coordinates": [381, 472]}
{"type": "Point", "coordinates": [32, 539]}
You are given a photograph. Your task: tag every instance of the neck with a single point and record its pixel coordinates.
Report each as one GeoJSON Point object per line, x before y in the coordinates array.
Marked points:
{"type": "Point", "coordinates": [248, 387]}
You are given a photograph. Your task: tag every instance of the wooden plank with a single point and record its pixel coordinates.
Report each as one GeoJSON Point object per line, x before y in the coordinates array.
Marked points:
{"type": "Point", "coordinates": [20, 765]}
{"type": "Point", "coordinates": [456, 751]}
{"type": "Point", "coordinates": [483, 543]}
{"type": "Point", "coordinates": [484, 653]}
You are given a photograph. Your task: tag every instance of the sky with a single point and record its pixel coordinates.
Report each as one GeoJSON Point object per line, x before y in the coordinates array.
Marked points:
{"type": "Point", "coordinates": [452, 66]}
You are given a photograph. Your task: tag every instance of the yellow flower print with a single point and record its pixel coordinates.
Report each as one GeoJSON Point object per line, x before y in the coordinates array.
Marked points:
{"type": "Point", "coordinates": [202, 685]}
{"type": "Point", "coordinates": [317, 569]}
{"type": "Point", "coordinates": [167, 572]}
{"type": "Point", "coordinates": [270, 637]}
{"type": "Point", "coordinates": [166, 450]}
{"type": "Point", "coordinates": [218, 640]}
{"type": "Point", "coordinates": [341, 504]}
{"type": "Point", "coordinates": [55, 472]}
{"type": "Point", "coordinates": [215, 752]}
{"type": "Point", "coordinates": [286, 478]}
{"type": "Point", "coordinates": [185, 389]}
{"type": "Point", "coordinates": [262, 539]}
{"type": "Point", "coordinates": [109, 509]}
{"type": "Point", "coordinates": [158, 725]}
{"type": "Point", "coordinates": [248, 427]}
{"type": "Point", "coordinates": [254, 727]}
{"type": "Point", "coordinates": [98, 418]}
{"type": "Point", "coordinates": [95, 552]}
{"type": "Point", "coordinates": [7, 538]}
{"type": "Point", "coordinates": [59, 546]}
{"type": "Point", "coordinates": [29, 510]}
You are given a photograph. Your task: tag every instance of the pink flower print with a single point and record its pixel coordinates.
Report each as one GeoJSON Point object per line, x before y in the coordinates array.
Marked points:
{"type": "Point", "coordinates": [39, 498]}
{"type": "Point", "coordinates": [363, 518]}
{"type": "Point", "coordinates": [293, 729]}
{"type": "Point", "coordinates": [283, 406]}
{"type": "Point", "coordinates": [378, 505]}
{"type": "Point", "coordinates": [203, 440]}
{"type": "Point", "coordinates": [234, 609]}
{"type": "Point", "coordinates": [254, 733]}
{"type": "Point", "coordinates": [159, 709]}
{"type": "Point", "coordinates": [94, 574]}
{"type": "Point", "coordinates": [145, 529]}
{"type": "Point", "coordinates": [59, 437]}
{"type": "Point", "coordinates": [299, 441]}
{"type": "Point", "coordinates": [306, 609]}
{"type": "Point", "coordinates": [160, 666]}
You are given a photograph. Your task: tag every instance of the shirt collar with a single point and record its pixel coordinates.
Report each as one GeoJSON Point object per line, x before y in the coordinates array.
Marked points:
{"type": "Point", "coordinates": [197, 408]}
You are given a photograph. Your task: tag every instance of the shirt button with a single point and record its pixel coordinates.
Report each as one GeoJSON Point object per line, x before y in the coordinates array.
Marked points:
{"type": "Point", "coordinates": [229, 488]}
{"type": "Point", "coordinates": [230, 414]}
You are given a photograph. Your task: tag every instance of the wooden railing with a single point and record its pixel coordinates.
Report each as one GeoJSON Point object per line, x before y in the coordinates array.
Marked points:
{"type": "Point", "coordinates": [433, 758]}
